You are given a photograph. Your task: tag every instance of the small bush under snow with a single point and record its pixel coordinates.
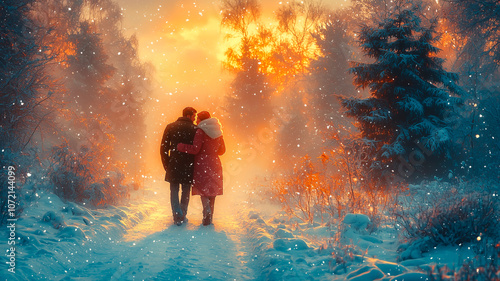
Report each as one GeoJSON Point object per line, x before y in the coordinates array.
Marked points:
{"type": "Point", "coordinates": [450, 219]}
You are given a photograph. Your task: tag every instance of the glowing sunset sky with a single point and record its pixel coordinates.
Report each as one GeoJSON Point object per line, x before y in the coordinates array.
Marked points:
{"type": "Point", "coordinates": [184, 42]}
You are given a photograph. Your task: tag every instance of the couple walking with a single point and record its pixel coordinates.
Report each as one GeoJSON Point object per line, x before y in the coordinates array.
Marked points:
{"type": "Point", "coordinates": [190, 157]}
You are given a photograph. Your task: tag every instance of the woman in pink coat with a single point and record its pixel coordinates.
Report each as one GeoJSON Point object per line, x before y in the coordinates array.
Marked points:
{"type": "Point", "coordinates": [207, 145]}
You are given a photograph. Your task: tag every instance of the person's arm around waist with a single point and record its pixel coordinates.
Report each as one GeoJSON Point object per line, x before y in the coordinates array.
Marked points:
{"type": "Point", "coordinates": [192, 148]}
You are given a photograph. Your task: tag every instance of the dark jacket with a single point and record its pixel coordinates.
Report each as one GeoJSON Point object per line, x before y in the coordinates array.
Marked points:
{"type": "Point", "coordinates": [178, 165]}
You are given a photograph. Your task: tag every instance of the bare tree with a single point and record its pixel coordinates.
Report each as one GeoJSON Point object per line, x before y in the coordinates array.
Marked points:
{"type": "Point", "coordinates": [26, 100]}
{"type": "Point", "coordinates": [297, 20]}
{"type": "Point", "coordinates": [248, 99]}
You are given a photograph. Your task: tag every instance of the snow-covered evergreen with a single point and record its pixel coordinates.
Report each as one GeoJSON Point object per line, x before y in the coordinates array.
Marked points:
{"type": "Point", "coordinates": [412, 96]}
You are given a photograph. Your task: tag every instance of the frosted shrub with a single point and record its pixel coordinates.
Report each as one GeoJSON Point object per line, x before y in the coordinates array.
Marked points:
{"type": "Point", "coordinates": [484, 267]}
{"type": "Point", "coordinates": [332, 186]}
{"type": "Point", "coordinates": [299, 191]}
{"type": "Point", "coordinates": [68, 174]}
{"type": "Point", "coordinates": [452, 220]}
{"type": "Point", "coordinates": [345, 165]}
{"type": "Point", "coordinates": [343, 253]}
{"type": "Point", "coordinates": [486, 272]}
{"type": "Point", "coordinates": [83, 177]}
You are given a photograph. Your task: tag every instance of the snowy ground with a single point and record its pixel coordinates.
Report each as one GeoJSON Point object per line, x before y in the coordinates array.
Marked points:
{"type": "Point", "coordinates": [136, 242]}
{"type": "Point", "coordinates": [65, 241]}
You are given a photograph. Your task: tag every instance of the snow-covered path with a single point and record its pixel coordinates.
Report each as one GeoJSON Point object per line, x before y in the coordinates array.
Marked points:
{"type": "Point", "coordinates": [137, 242]}
{"type": "Point", "coordinates": [160, 250]}
{"type": "Point", "coordinates": [189, 252]}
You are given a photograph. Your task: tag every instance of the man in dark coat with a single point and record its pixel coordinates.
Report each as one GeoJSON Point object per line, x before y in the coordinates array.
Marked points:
{"type": "Point", "coordinates": [178, 165]}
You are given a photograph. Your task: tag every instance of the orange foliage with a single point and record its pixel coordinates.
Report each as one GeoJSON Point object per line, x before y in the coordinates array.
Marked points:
{"type": "Point", "coordinates": [61, 49]}
{"type": "Point", "coordinates": [332, 185]}
{"type": "Point", "coordinates": [449, 42]}
{"type": "Point", "coordinates": [284, 52]}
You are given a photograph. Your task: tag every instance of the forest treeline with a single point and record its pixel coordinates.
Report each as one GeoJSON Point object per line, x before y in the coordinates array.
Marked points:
{"type": "Point", "coordinates": [72, 91]}
{"type": "Point", "coordinates": [373, 94]}
{"type": "Point", "coordinates": [408, 89]}
{"type": "Point", "coordinates": [388, 109]}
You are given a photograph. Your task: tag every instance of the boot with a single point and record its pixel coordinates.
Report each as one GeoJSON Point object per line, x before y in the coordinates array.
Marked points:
{"type": "Point", "coordinates": [178, 219]}
{"type": "Point", "coordinates": [207, 220]}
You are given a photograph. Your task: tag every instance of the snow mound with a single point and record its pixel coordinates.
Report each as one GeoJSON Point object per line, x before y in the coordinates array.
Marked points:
{"type": "Point", "coordinates": [57, 221]}
{"type": "Point", "coordinates": [72, 232]}
{"type": "Point", "coordinates": [283, 233]}
{"type": "Point", "coordinates": [56, 239]}
{"type": "Point", "coordinates": [285, 245]}
{"type": "Point", "coordinates": [77, 210]}
{"type": "Point", "coordinates": [358, 222]}
{"type": "Point", "coordinates": [292, 251]}
{"type": "Point", "coordinates": [342, 250]}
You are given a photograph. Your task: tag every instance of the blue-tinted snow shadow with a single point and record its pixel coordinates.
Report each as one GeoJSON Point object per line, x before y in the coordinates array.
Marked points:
{"type": "Point", "coordinates": [187, 252]}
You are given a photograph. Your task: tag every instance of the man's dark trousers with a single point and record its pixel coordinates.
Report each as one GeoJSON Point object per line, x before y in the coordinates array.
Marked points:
{"type": "Point", "coordinates": [179, 210]}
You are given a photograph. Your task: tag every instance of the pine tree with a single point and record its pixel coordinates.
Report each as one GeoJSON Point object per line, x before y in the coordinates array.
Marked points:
{"type": "Point", "coordinates": [406, 118]}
